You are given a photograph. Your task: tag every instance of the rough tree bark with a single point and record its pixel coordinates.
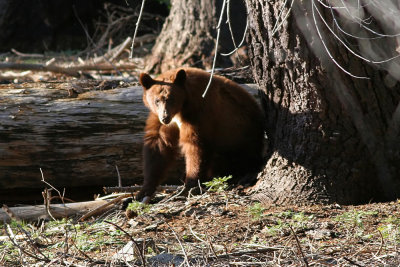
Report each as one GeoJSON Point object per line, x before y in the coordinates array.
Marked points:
{"type": "Point", "coordinates": [188, 35]}
{"type": "Point", "coordinates": [77, 142]}
{"type": "Point", "coordinates": [333, 138]}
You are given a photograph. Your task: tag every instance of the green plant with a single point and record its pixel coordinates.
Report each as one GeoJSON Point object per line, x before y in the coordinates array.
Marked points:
{"type": "Point", "coordinates": [298, 218]}
{"type": "Point", "coordinates": [390, 228]}
{"type": "Point", "coordinates": [355, 217]}
{"type": "Point", "coordinates": [279, 227]}
{"type": "Point", "coordinates": [256, 211]}
{"type": "Point", "coordinates": [280, 223]}
{"type": "Point", "coordinates": [218, 184]}
{"type": "Point", "coordinates": [139, 207]}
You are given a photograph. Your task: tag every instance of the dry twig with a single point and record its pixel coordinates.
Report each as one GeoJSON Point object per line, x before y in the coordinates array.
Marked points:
{"type": "Point", "coordinates": [102, 207]}
{"type": "Point", "coordinates": [10, 235]}
{"type": "Point", "coordinates": [135, 188]}
{"type": "Point", "coordinates": [20, 54]}
{"type": "Point", "coordinates": [180, 243]}
{"type": "Point", "coordinates": [299, 246]}
{"type": "Point", "coordinates": [140, 252]}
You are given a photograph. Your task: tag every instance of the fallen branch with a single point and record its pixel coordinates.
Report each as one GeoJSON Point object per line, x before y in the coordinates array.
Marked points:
{"type": "Point", "coordinates": [103, 207]}
{"type": "Point", "coordinates": [20, 54]}
{"type": "Point", "coordinates": [11, 214]}
{"type": "Point", "coordinates": [10, 235]}
{"type": "Point", "coordinates": [248, 252]}
{"type": "Point", "coordinates": [68, 70]}
{"type": "Point", "coordinates": [299, 246]}
{"type": "Point", "coordinates": [140, 252]}
{"type": "Point", "coordinates": [113, 53]}
{"type": "Point", "coordinates": [38, 67]}
{"type": "Point", "coordinates": [10, 75]}
{"type": "Point", "coordinates": [117, 51]}
{"type": "Point", "coordinates": [33, 213]}
{"type": "Point", "coordinates": [180, 243]}
{"type": "Point", "coordinates": [130, 189]}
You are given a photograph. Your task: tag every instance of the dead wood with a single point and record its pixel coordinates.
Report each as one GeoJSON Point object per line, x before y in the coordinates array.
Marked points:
{"type": "Point", "coordinates": [73, 70]}
{"type": "Point", "coordinates": [103, 208]}
{"type": "Point", "coordinates": [10, 75]}
{"type": "Point", "coordinates": [34, 213]}
{"type": "Point", "coordinates": [114, 53]}
{"type": "Point", "coordinates": [131, 189]}
{"type": "Point", "coordinates": [20, 54]}
{"type": "Point", "coordinates": [76, 141]}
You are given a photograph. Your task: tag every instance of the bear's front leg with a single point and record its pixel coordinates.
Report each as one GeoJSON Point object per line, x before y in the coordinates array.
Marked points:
{"type": "Point", "coordinates": [196, 165]}
{"type": "Point", "coordinates": [159, 152]}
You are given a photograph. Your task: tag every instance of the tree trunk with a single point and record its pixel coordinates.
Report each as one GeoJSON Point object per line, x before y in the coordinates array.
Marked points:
{"type": "Point", "coordinates": [188, 35]}
{"type": "Point", "coordinates": [333, 137]}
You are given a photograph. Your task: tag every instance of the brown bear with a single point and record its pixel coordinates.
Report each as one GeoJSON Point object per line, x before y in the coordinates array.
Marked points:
{"type": "Point", "coordinates": [220, 134]}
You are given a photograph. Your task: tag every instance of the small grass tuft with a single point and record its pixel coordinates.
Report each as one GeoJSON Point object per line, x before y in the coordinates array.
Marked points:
{"type": "Point", "coordinates": [256, 211]}
{"type": "Point", "coordinates": [139, 208]}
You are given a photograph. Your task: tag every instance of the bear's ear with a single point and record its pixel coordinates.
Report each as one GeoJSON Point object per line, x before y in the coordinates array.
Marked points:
{"type": "Point", "coordinates": [180, 77]}
{"type": "Point", "coordinates": [145, 80]}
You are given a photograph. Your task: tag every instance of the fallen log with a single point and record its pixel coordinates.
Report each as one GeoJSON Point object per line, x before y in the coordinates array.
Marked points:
{"type": "Point", "coordinates": [77, 142]}
{"type": "Point", "coordinates": [73, 70]}
{"type": "Point", "coordinates": [58, 211]}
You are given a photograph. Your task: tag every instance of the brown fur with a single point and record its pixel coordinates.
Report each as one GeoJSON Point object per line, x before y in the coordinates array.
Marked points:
{"type": "Point", "coordinates": [220, 134]}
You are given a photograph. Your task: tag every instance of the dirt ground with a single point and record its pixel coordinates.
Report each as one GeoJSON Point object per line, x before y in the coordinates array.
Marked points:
{"type": "Point", "coordinates": [224, 228]}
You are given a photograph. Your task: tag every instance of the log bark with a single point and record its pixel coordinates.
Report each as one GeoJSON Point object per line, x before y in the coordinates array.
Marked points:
{"type": "Point", "coordinates": [334, 138]}
{"type": "Point", "coordinates": [75, 141]}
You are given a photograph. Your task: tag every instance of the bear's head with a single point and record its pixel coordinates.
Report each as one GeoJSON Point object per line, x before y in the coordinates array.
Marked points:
{"type": "Point", "coordinates": [164, 97]}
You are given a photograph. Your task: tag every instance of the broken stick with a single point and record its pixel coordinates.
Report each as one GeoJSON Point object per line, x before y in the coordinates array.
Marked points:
{"type": "Point", "coordinates": [130, 189]}
{"type": "Point", "coordinates": [69, 70]}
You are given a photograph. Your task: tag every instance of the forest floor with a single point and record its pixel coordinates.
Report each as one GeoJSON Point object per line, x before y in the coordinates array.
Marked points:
{"type": "Point", "coordinates": [224, 228]}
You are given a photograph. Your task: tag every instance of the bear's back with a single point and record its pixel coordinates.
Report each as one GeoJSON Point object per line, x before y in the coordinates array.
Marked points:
{"type": "Point", "coordinates": [228, 115]}
{"type": "Point", "coordinates": [226, 102]}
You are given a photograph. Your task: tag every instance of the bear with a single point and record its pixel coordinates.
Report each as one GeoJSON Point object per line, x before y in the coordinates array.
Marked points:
{"type": "Point", "coordinates": [219, 134]}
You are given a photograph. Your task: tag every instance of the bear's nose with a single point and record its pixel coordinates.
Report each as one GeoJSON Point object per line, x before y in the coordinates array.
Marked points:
{"type": "Point", "coordinates": [165, 120]}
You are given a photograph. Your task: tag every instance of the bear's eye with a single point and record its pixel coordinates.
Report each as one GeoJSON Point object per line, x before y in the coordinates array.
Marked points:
{"type": "Point", "coordinates": [170, 101]}
{"type": "Point", "coordinates": [157, 102]}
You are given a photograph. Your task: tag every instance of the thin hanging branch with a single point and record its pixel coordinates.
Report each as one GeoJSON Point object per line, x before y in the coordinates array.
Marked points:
{"type": "Point", "coordinates": [378, 35]}
{"type": "Point", "coordinates": [347, 47]}
{"type": "Point", "coordinates": [231, 32]}
{"type": "Point", "coordinates": [278, 24]}
{"type": "Point", "coordinates": [136, 29]}
{"type": "Point", "coordinates": [216, 48]}
{"type": "Point", "coordinates": [314, 7]}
